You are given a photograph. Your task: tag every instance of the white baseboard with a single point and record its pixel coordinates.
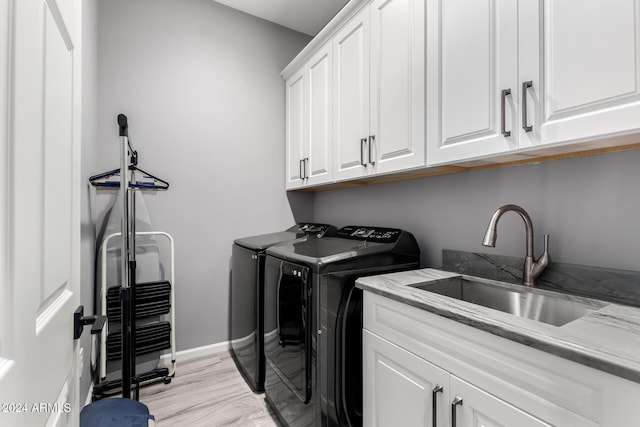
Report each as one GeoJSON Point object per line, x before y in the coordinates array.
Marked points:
{"type": "Point", "coordinates": [194, 353]}
{"type": "Point", "coordinates": [182, 356]}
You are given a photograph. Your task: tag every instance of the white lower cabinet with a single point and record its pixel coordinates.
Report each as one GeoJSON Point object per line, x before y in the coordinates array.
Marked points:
{"type": "Point", "coordinates": [473, 407]}
{"type": "Point", "coordinates": [421, 369]}
{"type": "Point", "coordinates": [403, 389]}
{"type": "Point", "coordinates": [399, 387]}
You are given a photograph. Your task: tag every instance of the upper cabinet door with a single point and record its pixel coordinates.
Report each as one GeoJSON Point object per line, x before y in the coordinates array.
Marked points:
{"type": "Point", "coordinates": [397, 85]}
{"type": "Point", "coordinates": [319, 72]}
{"type": "Point", "coordinates": [351, 98]}
{"type": "Point", "coordinates": [529, 67]}
{"type": "Point", "coordinates": [591, 68]}
{"type": "Point", "coordinates": [474, 67]}
{"type": "Point", "coordinates": [296, 138]}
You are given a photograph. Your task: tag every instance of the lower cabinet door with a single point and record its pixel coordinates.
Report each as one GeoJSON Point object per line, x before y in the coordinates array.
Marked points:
{"type": "Point", "coordinates": [400, 389]}
{"type": "Point", "coordinates": [469, 406]}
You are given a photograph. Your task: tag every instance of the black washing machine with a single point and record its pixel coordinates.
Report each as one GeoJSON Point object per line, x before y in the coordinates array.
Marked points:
{"type": "Point", "coordinates": [247, 290]}
{"type": "Point", "coordinates": [313, 320]}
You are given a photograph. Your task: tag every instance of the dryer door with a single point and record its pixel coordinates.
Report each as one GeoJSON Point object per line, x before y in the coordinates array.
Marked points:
{"type": "Point", "coordinates": [288, 343]}
{"type": "Point", "coordinates": [246, 312]}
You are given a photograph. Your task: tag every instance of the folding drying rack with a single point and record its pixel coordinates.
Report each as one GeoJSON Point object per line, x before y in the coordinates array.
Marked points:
{"type": "Point", "coordinates": [107, 299]}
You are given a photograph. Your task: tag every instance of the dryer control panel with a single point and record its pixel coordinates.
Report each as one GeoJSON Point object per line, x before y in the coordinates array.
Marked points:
{"type": "Point", "coordinates": [371, 234]}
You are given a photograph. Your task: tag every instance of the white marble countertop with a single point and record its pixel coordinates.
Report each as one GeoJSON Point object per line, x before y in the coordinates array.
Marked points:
{"type": "Point", "coordinates": [607, 339]}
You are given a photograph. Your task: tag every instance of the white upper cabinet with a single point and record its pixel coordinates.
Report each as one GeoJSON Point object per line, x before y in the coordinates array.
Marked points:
{"type": "Point", "coordinates": [394, 85]}
{"type": "Point", "coordinates": [379, 90]}
{"type": "Point", "coordinates": [514, 75]}
{"type": "Point", "coordinates": [308, 122]}
{"type": "Point", "coordinates": [295, 131]}
{"type": "Point", "coordinates": [397, 108]}
{"type": "Point", "coordinates": [591, 69]}
{"type": "Point", "coordinates": [319, 74]}
{"type": "Point", "coordinates": [351, 98]}
{"type": "Point", "coordinates": [480, 62]}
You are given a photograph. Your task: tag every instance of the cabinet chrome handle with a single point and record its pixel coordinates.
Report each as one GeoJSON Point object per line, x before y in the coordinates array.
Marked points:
{"type": "Point", "coordinates": [372, 140]}
{"type": "Point", "coordinates": [300, 169]}
{"type": "Point", "coordinates": [434, 403]}
{"type": "Point", "coordinates": [306, 168]}
{"type": "Point", "coordinates": [503, 101]}
{"type": "Point", "coordinates": [457, 401]}
{"type": "Point", "coordinates": [525, 86]}
{"type": "Point", "coordinates": [363, 141]}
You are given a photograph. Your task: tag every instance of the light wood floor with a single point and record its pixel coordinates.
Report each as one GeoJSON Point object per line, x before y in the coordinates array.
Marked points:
{"type": "Point", "coordinates": [207, 392]}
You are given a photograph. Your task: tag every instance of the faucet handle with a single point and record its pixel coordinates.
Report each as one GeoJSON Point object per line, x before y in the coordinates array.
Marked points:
{"type": "Point", "coordinates": [543, 261]}
{"type": "Point", "coordinates": [544, 257]}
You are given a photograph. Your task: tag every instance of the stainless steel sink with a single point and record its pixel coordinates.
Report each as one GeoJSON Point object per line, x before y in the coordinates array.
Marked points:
{"type": "Point", "coordinates": [528, 303]}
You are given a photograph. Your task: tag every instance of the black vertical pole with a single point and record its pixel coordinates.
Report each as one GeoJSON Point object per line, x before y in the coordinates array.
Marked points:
{"type": "Point", "coordinates": [125, 297]}
{"type": "Point", "coordinates": [125, 290]}
{"type": "Point", "coordinates": [132, 281]}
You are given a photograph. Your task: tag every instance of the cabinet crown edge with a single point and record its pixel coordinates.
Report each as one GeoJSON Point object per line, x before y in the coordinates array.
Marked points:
{"type": "Point", "coordinates": [348, 11]}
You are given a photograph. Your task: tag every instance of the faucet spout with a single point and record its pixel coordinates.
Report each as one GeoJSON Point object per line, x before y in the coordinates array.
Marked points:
{"type": "Point", "coordinates": [532, 268]}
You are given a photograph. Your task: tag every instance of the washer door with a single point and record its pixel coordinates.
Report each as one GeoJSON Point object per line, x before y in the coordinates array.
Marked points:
{"type": "Point", "coordinates": [288, 343]}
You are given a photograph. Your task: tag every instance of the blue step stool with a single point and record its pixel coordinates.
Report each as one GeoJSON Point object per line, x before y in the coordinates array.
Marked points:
{"type": "Point", "coordinates": [116, 412]}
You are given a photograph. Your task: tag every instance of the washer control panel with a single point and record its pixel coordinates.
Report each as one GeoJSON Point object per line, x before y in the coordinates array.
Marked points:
{"type": "Point", "coordinates": [310, 228]}
{"type": "Point", "coordinates": [371, 234]}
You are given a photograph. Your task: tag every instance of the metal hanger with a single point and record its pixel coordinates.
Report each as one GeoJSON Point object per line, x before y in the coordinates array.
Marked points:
{"type": "Point", "coordinates": [141, 180]}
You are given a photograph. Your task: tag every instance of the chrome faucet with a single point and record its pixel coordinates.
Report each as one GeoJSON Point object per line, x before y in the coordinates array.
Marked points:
{"type": "Point", "coordinates": [532, 268]}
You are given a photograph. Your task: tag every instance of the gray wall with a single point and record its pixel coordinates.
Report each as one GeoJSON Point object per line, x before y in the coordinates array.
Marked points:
{"type": "Point", "coordinates": [200, 84]}
{"type": "Point", "coordinates": [89, 167]}
{"type": "Point", "coordinates": [588, 205]}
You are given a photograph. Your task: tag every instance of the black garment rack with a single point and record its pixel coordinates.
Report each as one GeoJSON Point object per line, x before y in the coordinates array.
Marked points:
{"type": "Point", "coordinates": [127, 259]}
{"type": "Point", "coordinates": [129, 178]}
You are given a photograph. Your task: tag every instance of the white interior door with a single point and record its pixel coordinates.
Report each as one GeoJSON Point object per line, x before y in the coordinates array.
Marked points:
{"type": "Point", "coordinates": [39, 208]}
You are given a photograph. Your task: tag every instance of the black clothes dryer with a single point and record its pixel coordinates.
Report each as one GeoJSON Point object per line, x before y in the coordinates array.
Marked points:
{"type": "Point", "coordinates": [313, 320]}
{"type": "Point", "coordinates": [247, 290]}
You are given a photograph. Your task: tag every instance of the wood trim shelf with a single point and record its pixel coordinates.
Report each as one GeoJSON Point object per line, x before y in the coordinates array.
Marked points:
{"type": "Point", "coordinates": [600, 146]}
